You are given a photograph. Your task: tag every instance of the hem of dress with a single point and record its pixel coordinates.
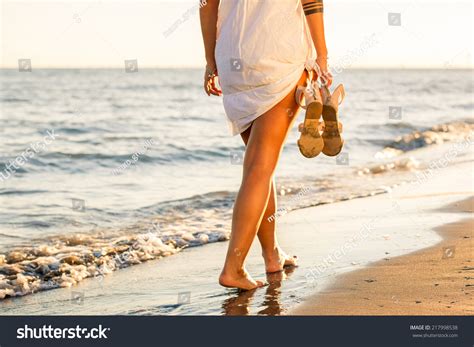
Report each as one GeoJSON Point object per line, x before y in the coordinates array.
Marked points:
{"type": "Point", "coordinates": [293, 85]}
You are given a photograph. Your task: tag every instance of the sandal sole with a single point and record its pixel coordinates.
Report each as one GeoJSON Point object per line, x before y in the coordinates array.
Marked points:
{"type": "Point", "coordinates": [311, 143]}
{"type": "Point", "coordinates": [332, 143]}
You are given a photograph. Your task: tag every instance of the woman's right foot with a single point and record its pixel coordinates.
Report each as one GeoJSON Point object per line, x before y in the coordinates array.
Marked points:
{"type": "Point", "coordinates": [240, 280]}
{"type": "Point", "coordinates": [277, 260]}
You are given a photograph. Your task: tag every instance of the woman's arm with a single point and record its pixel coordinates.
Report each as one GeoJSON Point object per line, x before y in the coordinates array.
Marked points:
{"type": "Point", "coordinates": [208, 14]}
{"type": "Point", "coordinates": [314, 10]}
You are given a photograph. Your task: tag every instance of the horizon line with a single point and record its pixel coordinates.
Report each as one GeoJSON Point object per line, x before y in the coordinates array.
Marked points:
{"type": "Point", "coordinates": [97, 67]}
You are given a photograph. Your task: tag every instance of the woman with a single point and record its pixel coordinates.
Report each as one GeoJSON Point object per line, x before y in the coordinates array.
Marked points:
{"type": "Point", "coordinates": [262, 50]}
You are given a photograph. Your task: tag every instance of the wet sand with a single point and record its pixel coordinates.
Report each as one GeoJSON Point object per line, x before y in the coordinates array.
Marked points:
{"type": "Point", "coordinates": [434, 281]}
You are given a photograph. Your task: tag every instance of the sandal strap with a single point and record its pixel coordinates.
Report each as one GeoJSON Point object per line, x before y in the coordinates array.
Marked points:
{"type": "Point", "coordinates": [314, 132]}
{"type": "Point", "coordinates": [331, 134]}
{"type": "Point", "coordinates": [299, 96]}
{"type": "Point", "coordinates": [340, 92]}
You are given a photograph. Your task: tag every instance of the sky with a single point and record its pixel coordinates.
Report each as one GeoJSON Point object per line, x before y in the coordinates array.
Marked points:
{"type": "Point", "coordinates": [105, 33]}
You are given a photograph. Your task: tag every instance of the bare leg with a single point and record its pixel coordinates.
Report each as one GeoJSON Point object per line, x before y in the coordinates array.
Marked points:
{"type": "Point", "coordinates": [264, 146]}
{"type": "Point", "coordinates": [275, 258]}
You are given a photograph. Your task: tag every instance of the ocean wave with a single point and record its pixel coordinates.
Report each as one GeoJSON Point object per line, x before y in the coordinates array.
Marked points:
{"type": "Point", "coordinates": [409, 163]}
{"type": "Point", "coordinates": [437, 134]}
{"type": "Point", "coordinates": [62, 160]}
{"type": "Point", "coordinates": [64, 261]}
{"type": "Point", "coordinates": [116, 158]}
{"type": "Point", "coordinates": [14, 100]}
{"type": "Point", "coordinates": [160, 230]}
{"type": "Point", "coordinates": [468, 106]}
{"type": "Point", "coordinates": [21, 192]}
{"type": "Point", "coordinates": [396, 126]}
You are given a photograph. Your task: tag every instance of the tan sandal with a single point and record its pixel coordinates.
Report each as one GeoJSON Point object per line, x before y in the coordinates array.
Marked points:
{"type": "Point", "coordinates": [310, 143]}
{"type": "Point", "coordinates": [333, 141]}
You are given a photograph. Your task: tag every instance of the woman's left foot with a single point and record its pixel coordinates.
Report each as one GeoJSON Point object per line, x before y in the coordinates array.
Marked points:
{"type": "Point", "coordinates": [277, 260]}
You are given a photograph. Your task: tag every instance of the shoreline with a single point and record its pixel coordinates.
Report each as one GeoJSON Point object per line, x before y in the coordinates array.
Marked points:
{"type": "Point", "coordinates": [433, 281]}
{"type": "Point", "coordinates": [353, 234]}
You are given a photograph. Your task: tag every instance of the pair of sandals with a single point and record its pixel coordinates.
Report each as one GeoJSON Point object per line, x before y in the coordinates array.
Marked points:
{"type": "Point", "coordinates": [316, 136]}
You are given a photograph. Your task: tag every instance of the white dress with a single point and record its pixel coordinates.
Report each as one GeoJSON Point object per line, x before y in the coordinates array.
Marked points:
{"type": "Point", "coordinates": [262, 49]}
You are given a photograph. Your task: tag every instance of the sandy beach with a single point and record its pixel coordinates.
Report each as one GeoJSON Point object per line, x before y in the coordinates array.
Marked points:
{"type": "Point", "coordinates": [433, 281]}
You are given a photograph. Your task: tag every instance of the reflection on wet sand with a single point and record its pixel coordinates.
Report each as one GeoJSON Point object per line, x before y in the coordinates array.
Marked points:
{"type": "Point", "coordinates": [239, 303]}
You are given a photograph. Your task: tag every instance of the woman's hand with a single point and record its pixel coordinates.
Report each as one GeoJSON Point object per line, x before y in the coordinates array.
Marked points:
{"type": "Point", "coordinates": [208, 12]}
{"type": "Point", "coordinates": [210, 80]}
{"type": "Point", "coordinates": [323, 71]}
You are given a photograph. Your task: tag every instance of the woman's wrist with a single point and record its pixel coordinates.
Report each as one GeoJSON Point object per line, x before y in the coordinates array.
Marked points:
{"type": "Point", "coordinates": [322, 61]}
{"type": "Point", "coordinates": [211, 67]}
{"type": "Point", "coordinates": [321, 52]}
{"type": "Point", "coordinates": [322, 56]}
{"type": "Point", "coordinates": [210, 70]}
{"type": "Point", "coordinates": [210, 60]}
